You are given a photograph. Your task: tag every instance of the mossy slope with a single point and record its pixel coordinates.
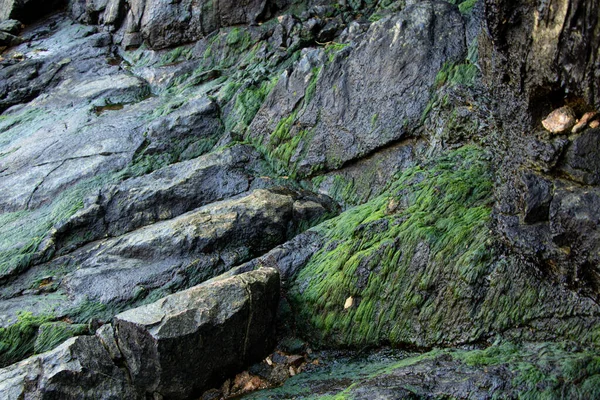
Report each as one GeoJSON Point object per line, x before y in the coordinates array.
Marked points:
{"type": "Point", "coordinates": [504, 370]}
{"type": "Point", "coordinates": [418, 266]}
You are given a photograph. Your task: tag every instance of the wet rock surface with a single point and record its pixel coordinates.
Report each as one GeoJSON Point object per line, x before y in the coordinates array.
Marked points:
{"type": "Point", "coordinates": [417, 174]}
{"type": "Point", "coordinates": [229, 322]}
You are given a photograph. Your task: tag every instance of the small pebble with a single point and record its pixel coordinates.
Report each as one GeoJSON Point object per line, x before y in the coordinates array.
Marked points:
{"type": "Point", "coordinates": [584, 121]}
{"type": "Point", "coordinates": [349, 303]}
{"type": "Point", "coordinates": [559, 120]}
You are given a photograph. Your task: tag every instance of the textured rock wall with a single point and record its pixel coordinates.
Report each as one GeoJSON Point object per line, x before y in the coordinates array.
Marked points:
{"type": "Point", "coordinates": [175, 348]}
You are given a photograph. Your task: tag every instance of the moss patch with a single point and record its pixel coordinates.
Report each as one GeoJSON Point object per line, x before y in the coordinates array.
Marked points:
{"type": "Point", "coordinates": [389, 254]}
{"type": "Point", "coordinates": [17, 340]}
{"type": "Point", "coordinates": [51, 334]}
{"type": "Point", "coordinates": [22, 232]}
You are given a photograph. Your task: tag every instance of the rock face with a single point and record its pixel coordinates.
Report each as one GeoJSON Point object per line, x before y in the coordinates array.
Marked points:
{"type": "Point", "coordinates": [148, 147]}
{"type": "Point", "coordinates": [371, 93]}
{"type": "Point", "coordinates": [80, 368]}
{"type": "Point", "coordinates": [162, 25]}
{"type": "Point", "coordinates": [176, 347]}
{"type": "Point", "coordinates": [183, 344]}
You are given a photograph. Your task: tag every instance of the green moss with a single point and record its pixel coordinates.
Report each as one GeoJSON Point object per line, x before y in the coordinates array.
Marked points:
{"type": "Point", "coordinates": [239, 39]}
{"type": "Point", "coordinates": [17, 340]}
{"type": "Point", "coordinates": [451, 75]}
{"type": "Point", "coordinates": [22, 232]}
{"type": "Point", "coordinates": [524, 371]}
{"type": "Point", "coordinates": [442, 209]}
{"type": "Point", "coordinates": [51, 334]}
{"type": "Point", "coordinates": [332, 49]}
{"type": "Point", "coordinates": [180, 53]}
{"type": "Point", "coordinates": [554, 370]}
{"type": "Point", "coordinates": [466, 6]}
{"type": "Point", "coordinates": [247, 104]}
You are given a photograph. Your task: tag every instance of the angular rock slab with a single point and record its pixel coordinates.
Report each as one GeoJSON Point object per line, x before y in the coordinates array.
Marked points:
{"type": "Point", "coordinates": [374, 91]}
{"type": "Point", "coordinates": [185, 343]}
{"type": "Point", "coordinates": [78, 369]}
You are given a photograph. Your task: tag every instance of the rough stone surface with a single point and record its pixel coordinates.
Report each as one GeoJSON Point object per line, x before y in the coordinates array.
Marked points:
{"type": "Point", "coordinates": [188, 249]}
{"type": "Point", "coordinates": [376, 89]}
{"type": "Point", "coordinates": [163, 194]}
{"type": "Point", "coordinates": [78, 369]}
{"type": "Point", "coordinates": [182, 344]}
{"type": "Point", "coordinates": [152, 145]}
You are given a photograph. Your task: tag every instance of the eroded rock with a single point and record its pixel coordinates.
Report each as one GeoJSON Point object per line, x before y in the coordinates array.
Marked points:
{"type": "Point", "coordinates": [187, 342]}
{"type": "Point", "coordinates": [78, 369]}
{"type": "Point", "coordinates": [372, 92]}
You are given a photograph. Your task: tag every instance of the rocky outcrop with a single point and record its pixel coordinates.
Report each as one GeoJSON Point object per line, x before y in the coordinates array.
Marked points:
{"type": "Point", "coordinates": [174, 348]}
{"type": "Point", "coordinates": [162, 25]}
{"type": "Point", "coordinates": [188, 249]}
{"type": "Point", "coordinates": [372, 92]}
{"type": "Point", "coordinates": [183, 344]}
{"type": "Point", "coordinates": [152, 146]}
{"type": "Point", "coordinates": [80, 368]}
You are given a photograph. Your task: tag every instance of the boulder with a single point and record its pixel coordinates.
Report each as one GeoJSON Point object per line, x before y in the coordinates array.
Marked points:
{"type": "Point", "coordinates": [11, 26]}
{"type": "Point", "coordinates": [78, 369]}
{"type": "Point", "coordinates": [183, 251]}
{"type": "Point", "coordinates": [190, 341]}
{"type": "Point", "coordinates": [559, 120]}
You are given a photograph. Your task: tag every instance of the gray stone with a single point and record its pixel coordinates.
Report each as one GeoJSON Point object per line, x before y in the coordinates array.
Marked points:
{"type": "Point", "coordinates": [186, 342]}
{"type": "Point", "coordinates": [164, 24]}
{"type": "Point", "coordinates": [181, 251]}
{"type": "Point", "coordinates": [374, 91]}
{"type": "Point", "coordinates": [106, 334]}
{"type": "Point", "coordinates": [7, 40]}
{"type": "Point", "coordinates": [288, 258]}
{"type": "Point", "coordinates": [163, 194]}
{"type": "Point", "coordinates": [11, 26]}
{"type": "Point", "coordinates": [78, 369]}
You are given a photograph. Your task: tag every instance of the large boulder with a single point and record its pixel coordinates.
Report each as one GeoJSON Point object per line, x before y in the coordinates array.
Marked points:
{"type": "Point", "coordinates": [190, 341]}
{"type": "Point", "coordinates": [182, 251]}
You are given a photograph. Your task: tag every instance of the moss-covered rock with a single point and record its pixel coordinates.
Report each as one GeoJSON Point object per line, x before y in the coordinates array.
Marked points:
{"type": "Point", "coordinates": [504, 370]}
{"type": "Point", "coordinates": [418, 266]}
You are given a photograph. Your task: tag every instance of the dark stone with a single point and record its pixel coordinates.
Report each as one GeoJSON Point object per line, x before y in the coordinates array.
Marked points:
{"type": "Point", "coordinates": [543, 50]}
{"type": "Point", "coordinates": [78, 369]}
{"type": "Point", "coordinates": [537, 197]}
{"type": "Point", "coordinates": [11, 26]}
{"type": "Point", "coordinates": [373, 92]}
{"type": "Point", "coordinates": [582, 158]}
{"type": "Point", "coordinates": [191, 341]}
